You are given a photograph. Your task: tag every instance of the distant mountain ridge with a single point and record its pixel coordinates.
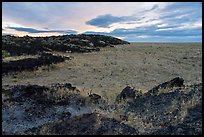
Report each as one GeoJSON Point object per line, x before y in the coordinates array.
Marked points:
{"type": "Point", "coordinates": [66, 43]}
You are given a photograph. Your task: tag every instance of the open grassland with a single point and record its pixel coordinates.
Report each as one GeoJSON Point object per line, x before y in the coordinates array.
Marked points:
{"type": "Point", "coordinates": [140, 65]}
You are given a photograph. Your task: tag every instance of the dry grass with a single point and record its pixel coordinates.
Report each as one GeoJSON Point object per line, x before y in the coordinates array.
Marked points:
{"type": "Point", "coordinates": [108, 72]}
{"type": "Point", "coordinates": [140, 65]}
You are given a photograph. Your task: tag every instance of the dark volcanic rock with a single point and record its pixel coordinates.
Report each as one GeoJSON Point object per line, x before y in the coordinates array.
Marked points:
{"type": "Point", "coordinates": [64, 85]}
{"type": "Point", "coordinates": [95, 98]}
{"type": "Point", "coordinates": [176, 82]}
{"type": "Point", "coordinates": [72, 43]}
{"type": "Point", "coordinates": [21, 93]}
{"type": "Point", "coordinates": [38, 45]}
{"type": "Point", "coordinates": [43, 95]}
{"type": "Point", "coordinates": [65, 115]}
{"type": "Point", "coordinates": [178, 111]}
{"type": "Point", "coordinates": [86, 124]}
{"type": "Point", "coordinates": [110, 126]}
{"type": "Point", "coordinates": [30, 63]}
{"type": "Point", "coordinates": [191, 125]}
{"type": "Point", "coordinates": [128, 92]}
{"type": "Point", "coordinates": [167, 110]}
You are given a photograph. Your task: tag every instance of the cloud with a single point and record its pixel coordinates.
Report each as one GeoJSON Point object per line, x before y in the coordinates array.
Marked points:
{"type": "Point", "coordinates": [151, 33]}
{"type": "Point", "coordinates": [169, 23]}
{"type": "Point", "coordinates": [153, 8]}
{"type": "Point", "coordinates": [164, 39]}
{"type": "Point", "coordinates": [94, 32]}
{"type": "Point", "coordinates": [32, 30]}
{"type": "Point", "coordinates": [128, 20]}
{"type": "Point", "coordinates": [147, 16]}
{"type": "Point", "coordinates": [4, 34]}
{"type": "Point", "coordinates": [105, 20]}
{"type": "Point", "coordinates": [71, 15]}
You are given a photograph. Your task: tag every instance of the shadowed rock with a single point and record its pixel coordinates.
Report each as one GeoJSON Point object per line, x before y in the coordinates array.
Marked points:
{"type": "Point", "coordinates": [176, 82]}
{"type": "Point", "coordinates": [95, 98]}
{"type": "Point", "coordinates": [21, 92]}
{"type": "Point", "coordinates": [175, 112]}
{"type": "Point", "coordinates": [86, 124]}
{"type": "Point", "coordinates": [191, 125]}
{"type": "Point", "coordinates": [64, 85]}
{"type": "Point", "coordinates": [65, 115]}
{"type": "Point", "coordinates": [43, 95]}
{"type": "Point", "coordinates": [30, 63]}
{"type": "Point", "coordinates": [128, 92]}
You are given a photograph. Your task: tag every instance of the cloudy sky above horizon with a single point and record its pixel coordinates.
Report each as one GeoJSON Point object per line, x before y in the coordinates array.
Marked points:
{"type": "Point", "coordinates": [131, 21]}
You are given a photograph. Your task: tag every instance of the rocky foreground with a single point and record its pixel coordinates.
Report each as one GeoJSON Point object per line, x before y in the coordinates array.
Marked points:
{"type": "Point", "coordinates": [171, 108]}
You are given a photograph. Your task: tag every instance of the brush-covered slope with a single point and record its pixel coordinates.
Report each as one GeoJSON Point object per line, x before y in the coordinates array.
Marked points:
{"type": "Point", "coordinates": [12, 45]}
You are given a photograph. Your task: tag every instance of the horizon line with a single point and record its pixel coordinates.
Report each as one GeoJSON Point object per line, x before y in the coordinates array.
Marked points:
{"type": "Point", "coordinates": [110, 36]}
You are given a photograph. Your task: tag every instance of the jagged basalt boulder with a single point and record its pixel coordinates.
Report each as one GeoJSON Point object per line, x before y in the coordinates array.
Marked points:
{"type": "Point", "coordinates": [128, 92]}
{"type": "Point", "coordinates": [176, 82]}
{"type": "Point", "coordinates": [64, 85]}
{"type": "Point", "coordinates": [32, 93]}
{"type": "Point", "coordinates": [172, 108]}
{"type": "Point", "coordinates": [95, 98]}
{"type": "Point", "coordinates": [43, 95]}
{"type": "Point", "coordinates": [30, 64]}
{"type": "Point", "coordinates": [172, 111]}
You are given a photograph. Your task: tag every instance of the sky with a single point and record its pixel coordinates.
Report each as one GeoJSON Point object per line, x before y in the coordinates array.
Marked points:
{"type": "Point", "coordinates": [131, 21]}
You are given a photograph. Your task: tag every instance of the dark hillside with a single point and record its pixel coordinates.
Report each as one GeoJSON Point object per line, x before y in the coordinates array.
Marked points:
{"type": "Point", "coordinates": [66, 43]}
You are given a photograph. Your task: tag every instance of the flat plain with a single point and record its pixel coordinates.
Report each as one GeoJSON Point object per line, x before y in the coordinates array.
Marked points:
{"type": "Point", "coordinates": [107, 72]}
